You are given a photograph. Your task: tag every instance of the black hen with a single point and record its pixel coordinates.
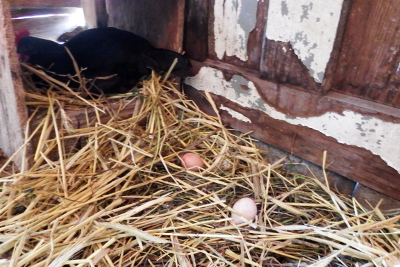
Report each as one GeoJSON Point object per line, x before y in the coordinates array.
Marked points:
{"type": "Point", "coordinates": [104, 52]}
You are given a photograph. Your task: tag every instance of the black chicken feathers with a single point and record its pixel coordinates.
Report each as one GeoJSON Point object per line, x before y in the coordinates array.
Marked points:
{"type": "Point", "coordinates": [104, 52]}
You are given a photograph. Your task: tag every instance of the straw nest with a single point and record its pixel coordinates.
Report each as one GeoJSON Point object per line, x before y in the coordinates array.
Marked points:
{"type": "Point", "coordinates": [110, 191]}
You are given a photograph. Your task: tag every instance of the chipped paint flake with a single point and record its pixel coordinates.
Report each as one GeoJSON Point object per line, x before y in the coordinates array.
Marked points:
{"type": "Point", "coordinates": [349, 128]}
{"type": "Point", "coordinates": [310, 26]}
{"type": "Point", "coordinates": [234, 20]}
{"type": "Point", "coordinates": [235, 114]}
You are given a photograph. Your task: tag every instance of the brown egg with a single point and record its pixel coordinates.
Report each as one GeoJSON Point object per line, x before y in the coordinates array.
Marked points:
{"type": "Point", "coordinates": [192, 161]}
{"type": "Point", "coordinates": [246, 207]}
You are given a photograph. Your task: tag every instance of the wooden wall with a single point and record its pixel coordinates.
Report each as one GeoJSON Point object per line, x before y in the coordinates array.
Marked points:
{"type": "Point", "coordinates": [161, 22]}
{"type": "Point", "coordinates": [305, 77]}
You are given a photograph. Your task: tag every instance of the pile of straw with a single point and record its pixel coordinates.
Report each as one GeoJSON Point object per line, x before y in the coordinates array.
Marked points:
{"type": "Point", "coordinates": [111, 192]}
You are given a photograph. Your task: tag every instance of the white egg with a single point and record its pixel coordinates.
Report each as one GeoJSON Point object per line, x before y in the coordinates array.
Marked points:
{"type": "Point", "coordinates": [247, 209]}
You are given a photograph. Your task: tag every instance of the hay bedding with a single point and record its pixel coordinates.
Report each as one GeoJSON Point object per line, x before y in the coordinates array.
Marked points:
{"type": "Point", "coordinates": [118, 196]}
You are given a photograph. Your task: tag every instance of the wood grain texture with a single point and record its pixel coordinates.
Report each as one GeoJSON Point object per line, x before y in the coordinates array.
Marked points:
{"type": "Point", "coordinates": [368, 66]}
{"type": "Point", "coordinates": [353, 162]}
{"type": "Point", "coordinates": [254, 44]}
{"type": "Point", "coordinates": [161, 22]}
{"type": "Point", "coordinates": [196, 29]}
{"type": "Point", "coordinates": [13, 111]}
{"type": "Point", "coordinates": [281, 65]}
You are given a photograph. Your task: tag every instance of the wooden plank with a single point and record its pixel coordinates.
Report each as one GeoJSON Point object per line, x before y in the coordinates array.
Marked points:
{"type": "Point", "coordinates": [196, 30]}
{"type": "Point", "coordinates": [352, 162]}
{"type": "Point", "coordinates": [161, 22]}
{"type": "Point", "coordinates": [369, 62]}
{"type": "Point", "coordinates": [255, 38]}
{"type": "Point", "coordinates": [298, 102]}
{"type": "Point", "coordinates": [45, 3]}
{"type": "Point", "coordinates": [13, 112]}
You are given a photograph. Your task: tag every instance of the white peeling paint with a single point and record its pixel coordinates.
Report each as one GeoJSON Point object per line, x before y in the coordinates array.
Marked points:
{"type": "Point", "coordinates": [235, 114]}
{"type": "Point", "coordinates": [232, 24]}
{"type": "Point", "coordinates": [310, 26]}
{"type": "Point", "coordinates": [380, 137]}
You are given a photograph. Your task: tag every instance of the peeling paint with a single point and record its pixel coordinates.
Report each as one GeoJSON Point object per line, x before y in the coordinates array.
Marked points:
{"type": "Point", "coordinates": [310, 26]}
{"type": "Point", "coordinates": [349, 128]}
{"type": "Point", "coordinates": [233, 22]}
{"type": "Point", "coordinates": [235, 114]}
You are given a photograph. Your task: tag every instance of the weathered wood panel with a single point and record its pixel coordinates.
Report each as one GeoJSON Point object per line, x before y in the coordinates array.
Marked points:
{"type": "Point", "coordinates": [13, 112]}
{"type": "Point", "coordinates": [161, 22]}
{"type": "Point", "coordinates": [195, 43]}
{"type": "Point", "coordinates": [354, 162]}
{"type": "Point", "coordinates": [369, 62]}
{"type": "Point", "coordinates": [300, 37]}
{"type": "Point", "coordinates": [236, 32]}
{"type": "Point", "coordinates": [281, 65]}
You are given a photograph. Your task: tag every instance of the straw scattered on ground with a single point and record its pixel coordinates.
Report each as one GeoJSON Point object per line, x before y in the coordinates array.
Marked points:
{"type": "Point", "coordinates": [110, 191]}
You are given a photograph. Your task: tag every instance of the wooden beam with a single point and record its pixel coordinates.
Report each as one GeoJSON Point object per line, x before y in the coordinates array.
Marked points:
{"type": "Point", "coordinates": [13, 111]}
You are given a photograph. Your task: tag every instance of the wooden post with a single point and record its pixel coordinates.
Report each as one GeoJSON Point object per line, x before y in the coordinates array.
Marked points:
{"type": "Point", "coordinates": [13, 111]}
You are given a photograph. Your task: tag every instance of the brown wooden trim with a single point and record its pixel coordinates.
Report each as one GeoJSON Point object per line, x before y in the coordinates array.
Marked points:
{"type": "Point", "coordinates": [161, 22]}
{"type": "Point", "coordinates": [368, 61]}
{"type": "Point", "coordinates": [352, 162]}
{"type": "Point", "coordinates": [195, 43]}
{"type": "Point", "coordinates": [337, 46]}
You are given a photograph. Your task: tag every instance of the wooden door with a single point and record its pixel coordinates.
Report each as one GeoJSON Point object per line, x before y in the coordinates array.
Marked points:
{"type": "Point", "coordinates": [305, 76]}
